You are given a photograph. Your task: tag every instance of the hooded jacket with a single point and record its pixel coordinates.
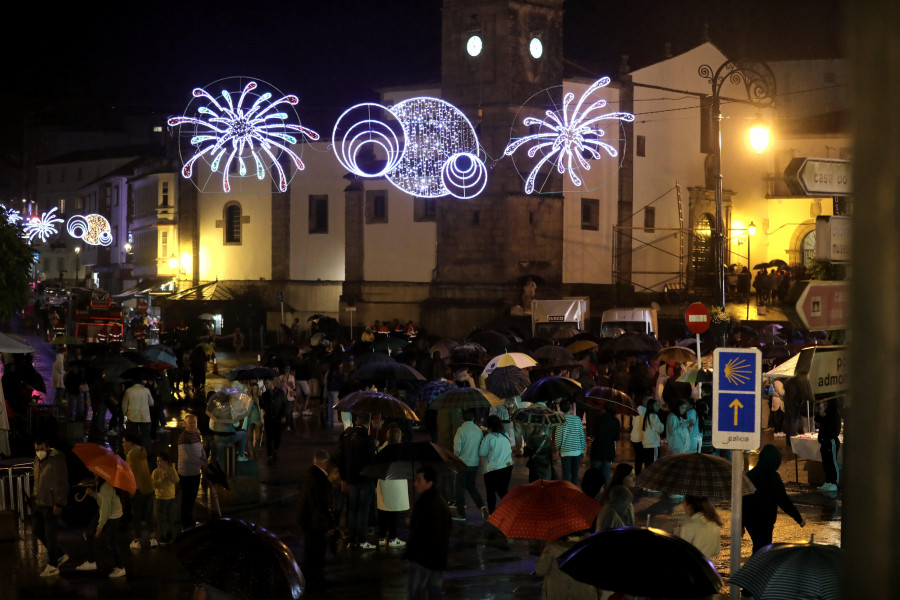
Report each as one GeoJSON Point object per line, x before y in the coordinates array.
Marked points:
{"type": "Point", "coordinates": [761, 507]}
{"type": "Point", "coordinates": [51, 480]}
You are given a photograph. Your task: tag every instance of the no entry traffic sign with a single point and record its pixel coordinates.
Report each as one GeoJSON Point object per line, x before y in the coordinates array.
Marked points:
{"type": "Point", "coordinates": [697, 318]}
{"type": "Point", "coordinates": [737, 382]}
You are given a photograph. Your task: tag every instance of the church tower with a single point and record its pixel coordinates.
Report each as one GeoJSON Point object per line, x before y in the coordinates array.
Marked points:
{"type": "Point", "coordinates": [499, 56]}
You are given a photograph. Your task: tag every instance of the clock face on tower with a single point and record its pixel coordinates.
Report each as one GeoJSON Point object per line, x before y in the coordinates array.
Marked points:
{"type": "Point", "coordinates": [536, 48]}
{"type": "Point", "coordinates": [474, 45]}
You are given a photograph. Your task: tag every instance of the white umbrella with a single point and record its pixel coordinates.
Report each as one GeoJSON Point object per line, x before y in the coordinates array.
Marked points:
{"type": "Point", "coordinates": [785, 369]}
{"type": "Point", "coordinates": [13, 346]}
{"type": "Point", "coordinates": [509, 359]}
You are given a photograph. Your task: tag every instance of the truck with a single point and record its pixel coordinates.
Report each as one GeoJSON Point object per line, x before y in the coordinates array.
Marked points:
{"type": "Point", "coordinates": [640, 320]}
{"type": "Point", "coordinates": [549, 316]}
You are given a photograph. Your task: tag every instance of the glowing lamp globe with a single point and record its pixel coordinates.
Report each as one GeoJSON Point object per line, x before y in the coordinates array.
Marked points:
{"type": "Point", "coordinates": [759, 137]}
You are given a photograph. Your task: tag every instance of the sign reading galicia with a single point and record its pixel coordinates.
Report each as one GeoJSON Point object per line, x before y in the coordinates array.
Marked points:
{"type": "Point", "coordinates": [737, 382]}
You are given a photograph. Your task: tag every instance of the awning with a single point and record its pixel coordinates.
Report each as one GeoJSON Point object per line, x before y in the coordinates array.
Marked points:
{"type": "Point", "coordinates": [207, 291]}
{"type": "Point", "coordinates": [145, 287]}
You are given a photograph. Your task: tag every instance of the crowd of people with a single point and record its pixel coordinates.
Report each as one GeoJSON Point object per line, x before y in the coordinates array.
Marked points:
{"type": "Point", "coordinates": [340, 502]}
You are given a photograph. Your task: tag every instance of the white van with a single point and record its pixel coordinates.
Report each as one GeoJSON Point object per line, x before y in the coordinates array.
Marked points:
{"type": "Point", "coordinates": [641, 320]}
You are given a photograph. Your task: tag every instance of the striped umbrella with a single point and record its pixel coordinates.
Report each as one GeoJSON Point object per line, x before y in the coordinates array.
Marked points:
{"type": "Point", "coordinates": [466, 397]}
{"type": "Point", "coordinates": [789, 571]}
{"type": "Point", "coordinates": [691, 474]}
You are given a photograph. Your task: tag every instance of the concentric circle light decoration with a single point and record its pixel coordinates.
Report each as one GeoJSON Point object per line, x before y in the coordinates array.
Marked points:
{"type": "Point", "coordinates": [568, 136]}
{"type": "Point", "coordinates": [361, 132]}
{"type": "Point", "coordinates": [464, 175]}
{"type": "Point", "coordinates": [41, 227]}
{"type": "Point", "coordinates": [424, 146]}
{"type": "Point", "coordinates": [240, 124]}
{"type": "Point", "coordinates": [93, 229]}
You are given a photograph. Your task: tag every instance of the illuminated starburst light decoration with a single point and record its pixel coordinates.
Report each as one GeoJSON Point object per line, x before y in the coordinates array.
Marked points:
{"type": "Point", "coordinates": [42, 227]}
{"type": "Point", "coordinates": [424, 146]}
{"type": "Point", "coordinates": [11, 215]}
{"type": "Point", "coordinates": [251, 129]}
{"type": "Point", "coordinates": [93, 229]}
{"type": "Point", "coordinates": [566, 135]}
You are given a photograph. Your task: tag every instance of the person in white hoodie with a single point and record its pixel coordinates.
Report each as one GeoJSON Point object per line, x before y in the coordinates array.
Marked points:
{"type": "Point", "coordinates": [637, 436]}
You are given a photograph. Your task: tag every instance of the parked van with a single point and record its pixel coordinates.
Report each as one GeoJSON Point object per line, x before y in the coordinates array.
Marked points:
{"type": "Point", "coordinates": [640, 320]}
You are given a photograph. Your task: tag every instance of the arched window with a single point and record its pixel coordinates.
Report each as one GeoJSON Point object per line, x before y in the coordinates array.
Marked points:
{"type": "Point", "coordinates": [808, 249]}
{"type": "Point", "coordinates": [703, 260]}
{"type": "Point", "coordinates": [232, 218]}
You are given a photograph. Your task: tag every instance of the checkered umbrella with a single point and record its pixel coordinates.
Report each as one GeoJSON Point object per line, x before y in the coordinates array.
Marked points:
{"type": "Point", "coordinates": [691, 474]}
{"type": "Point", "coordinates": [789, 571]}
{"type": "Point", "coordinates": [538, 416]}
{"type": "Point", "coordinates": [544, 510]}
{"type": "Point", "coordinates": [466, 397]}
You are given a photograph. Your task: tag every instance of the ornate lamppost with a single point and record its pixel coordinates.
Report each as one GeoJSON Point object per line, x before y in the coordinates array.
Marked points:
{"type": "Point", "coordinates": [758, 84]}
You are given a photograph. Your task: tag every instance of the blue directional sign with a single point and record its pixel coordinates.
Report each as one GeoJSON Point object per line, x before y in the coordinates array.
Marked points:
{"type": "Point", "coordinates": [737, 386]}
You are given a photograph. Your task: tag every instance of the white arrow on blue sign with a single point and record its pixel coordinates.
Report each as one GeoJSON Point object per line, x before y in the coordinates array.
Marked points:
{"type": "Point", "coordinates": [737, 385]}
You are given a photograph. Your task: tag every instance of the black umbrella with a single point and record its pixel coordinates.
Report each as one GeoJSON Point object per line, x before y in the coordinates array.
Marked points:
{"type": "Point", "coordinates": [761, 266]}
{"type": "Point", "coordinates": [550, 388]}
{"type": "Point", "coordinates": [251, 372]}
{"type": "Point", "coordinates": [778, 264]}
{"type": "Point", "coordinates": [369, 358]}
{"type": "Point", "coordinates": [680, 570]}
{"type": "Point", "coordinates": [241, 559]}
{"type": "Point", "coordinates": [633, 344]}
{"type": "Point", "coordinates": [375, 403]}
{"type": "Point", "coordinates": [140, 374]}
{"type": "Point", "coordinates": [493, 341]}
{"type": "Point", "coordinates": [507, 381]}
{"type": "Point", "coordinates": [401, 461]}
{"type": "Point", "coordinates": [391, 371]}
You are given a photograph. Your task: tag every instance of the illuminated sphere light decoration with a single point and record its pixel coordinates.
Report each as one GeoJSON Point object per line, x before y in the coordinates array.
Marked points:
{"type": "Point", "coordinates": [566, 135]}
{"type": "Point", "coordinates": [93, 229]}
{"type": "Point", "coordinates": [42, 227]}
{"type": "Point", "coordinates": [249, 129]}
{"type": "Point", "coordinates": [424, 146]}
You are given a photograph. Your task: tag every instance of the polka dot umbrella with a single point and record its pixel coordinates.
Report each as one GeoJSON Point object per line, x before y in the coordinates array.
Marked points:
{"type": "Point", "coordinates": [544, 510]}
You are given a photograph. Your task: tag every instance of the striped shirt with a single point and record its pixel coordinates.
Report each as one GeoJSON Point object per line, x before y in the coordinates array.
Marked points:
{"type": "Point", "coordinates": [570, 439]}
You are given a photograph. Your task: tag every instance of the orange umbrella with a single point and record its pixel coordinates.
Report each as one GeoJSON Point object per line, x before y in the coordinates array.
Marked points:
{"type": "Point", "coordinates": [544, 510]}
{"type": "Point", "coordinates": [102, 461]}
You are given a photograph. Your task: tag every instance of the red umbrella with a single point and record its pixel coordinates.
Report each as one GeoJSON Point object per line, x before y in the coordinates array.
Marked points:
{"type": "Point", "coordinates": [544, 510]}
{"type": "Point", "coordinates": [102, 461]}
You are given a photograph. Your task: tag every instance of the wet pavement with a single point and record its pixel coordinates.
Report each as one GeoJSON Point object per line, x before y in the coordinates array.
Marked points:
{"type": "Point", "coordinates": [483, 563]}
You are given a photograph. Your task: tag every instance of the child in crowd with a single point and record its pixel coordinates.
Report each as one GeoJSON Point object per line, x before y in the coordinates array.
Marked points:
{"type": "Point", "coordinates": [165, 507]}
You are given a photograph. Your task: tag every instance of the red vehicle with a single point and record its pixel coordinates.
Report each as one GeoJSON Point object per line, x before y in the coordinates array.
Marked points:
{"type": "Point", "coordinates": [97, 317]}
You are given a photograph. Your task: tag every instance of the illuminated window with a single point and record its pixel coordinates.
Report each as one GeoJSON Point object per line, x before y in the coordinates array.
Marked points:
{"type": "Point", "coordinates": [590, 214]}
{"type": "Point", "coordinates": [165, 193]}
{"type": "Point", "coordinates": [318, 213]}
{"type": "Point", "coordinates": [376, 206]}
{"type": "Point", "coordinates": [232, 223]}
{"type": "Point", "coordinates": [164, 244]}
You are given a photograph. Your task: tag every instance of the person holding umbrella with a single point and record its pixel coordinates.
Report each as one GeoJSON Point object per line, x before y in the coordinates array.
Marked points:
{"type": "Point", "coordinates": [429, 537]}
{"type": "Point", "coordinates": [316, 520]}
{"type": "Point", "coordinates": [498, 463]}
{"type": "Point", "coordinates": [275, 407]}
{"type": "Point", "coordinates": [142, 499]}
{"type": "Point", "coordinates": [466, 443]}
{"type": "Point", "coordinates": [704, 526]}
{"type": "Point", "coordinates": [392, 498]}
{"type": "Point", "coordinates": [105, 522]}
{"type": "Point", "coordinates": [605, 431]}
{"type": "Point", "coordinates": [556, 583]}
{"type": "Point", "coordinates": [570, 442]}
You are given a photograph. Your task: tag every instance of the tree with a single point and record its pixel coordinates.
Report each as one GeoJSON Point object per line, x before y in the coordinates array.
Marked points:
{"type": "Point", "coordinates": [16, 271]}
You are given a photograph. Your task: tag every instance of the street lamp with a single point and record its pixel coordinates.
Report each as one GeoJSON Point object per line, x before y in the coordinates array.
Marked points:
{"type": "Point", "coordinates": [751, 231]}
{"type": "Point", "coordinates": [77, 255]}
{"type": "Point", "coordinates": [759, 85]}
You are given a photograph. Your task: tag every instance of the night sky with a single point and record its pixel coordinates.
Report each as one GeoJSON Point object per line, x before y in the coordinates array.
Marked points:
{"type": "Point", "coordinates": [78, 61]}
